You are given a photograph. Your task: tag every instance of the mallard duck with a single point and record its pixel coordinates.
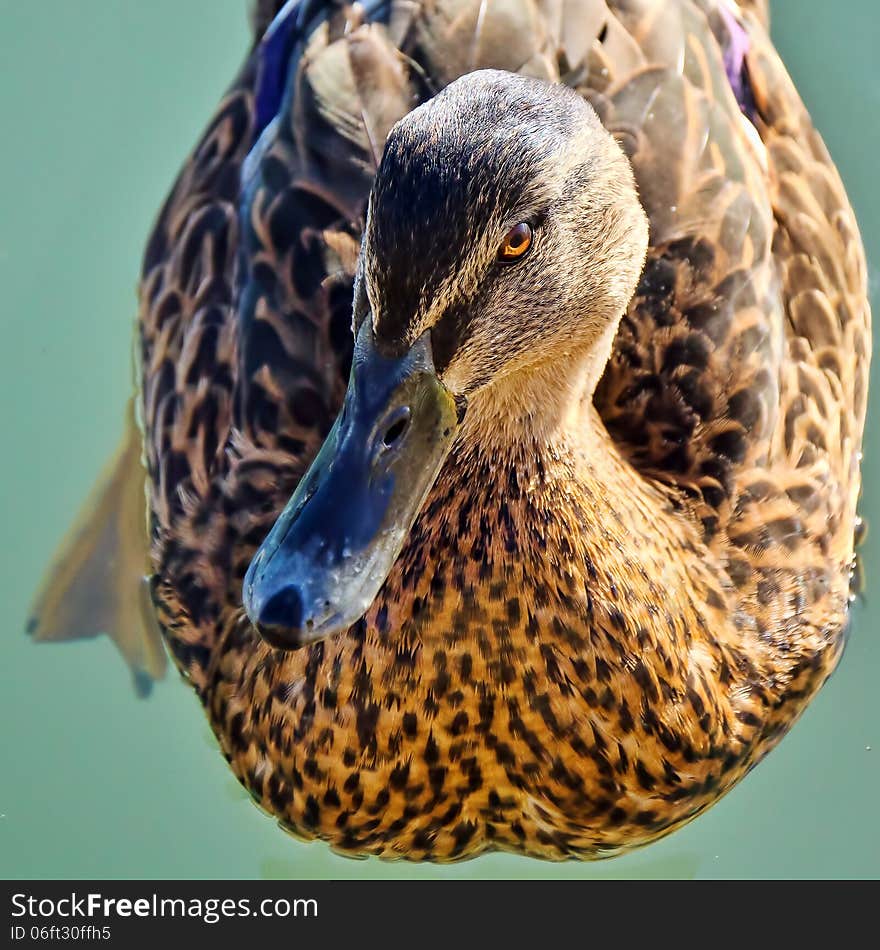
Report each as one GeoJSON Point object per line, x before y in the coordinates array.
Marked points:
{"type": "Point", "coordinates": [504, 371]}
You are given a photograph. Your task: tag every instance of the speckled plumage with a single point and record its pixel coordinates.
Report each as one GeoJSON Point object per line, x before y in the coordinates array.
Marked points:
{"type": "Point", "coordinates": [576, 651]}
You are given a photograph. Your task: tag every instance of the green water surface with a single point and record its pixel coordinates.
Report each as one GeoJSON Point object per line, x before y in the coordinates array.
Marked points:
{"type": "Point", "coordinates": [100, 100]}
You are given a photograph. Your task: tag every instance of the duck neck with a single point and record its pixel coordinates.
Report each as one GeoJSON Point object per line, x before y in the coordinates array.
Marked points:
{"type": "Point", "coordinates": [547, 406]}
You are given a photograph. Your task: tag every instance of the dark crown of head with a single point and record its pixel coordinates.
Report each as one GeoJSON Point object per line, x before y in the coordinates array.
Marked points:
{"type": "Point", "coordinates": [467, 160]}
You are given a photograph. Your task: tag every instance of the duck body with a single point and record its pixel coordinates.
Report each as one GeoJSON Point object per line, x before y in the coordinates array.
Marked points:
{"type": "Point", "coordinates": [631, 572]}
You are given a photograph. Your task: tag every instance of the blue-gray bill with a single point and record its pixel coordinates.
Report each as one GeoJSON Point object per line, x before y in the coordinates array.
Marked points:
{"type": "Point", "coordinates": [331, 549]}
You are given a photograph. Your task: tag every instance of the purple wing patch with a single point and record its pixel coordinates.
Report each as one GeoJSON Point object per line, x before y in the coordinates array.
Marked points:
{"type": "Point", "coordinates": [735, 48]}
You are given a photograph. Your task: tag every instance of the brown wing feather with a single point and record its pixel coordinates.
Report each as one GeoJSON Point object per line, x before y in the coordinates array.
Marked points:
{"type": "Point", "coordinates": [740, 370]}
{"type": "Point", "coordinates": [188, 365]}
{"type": "Point", "coordinates": [691, 391]}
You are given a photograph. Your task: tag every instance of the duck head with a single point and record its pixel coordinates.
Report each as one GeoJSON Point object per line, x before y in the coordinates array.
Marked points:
{"type": "Point", "coordinates": [503, 237]}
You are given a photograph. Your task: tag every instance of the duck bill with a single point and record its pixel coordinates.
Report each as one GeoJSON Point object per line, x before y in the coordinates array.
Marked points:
{"type": "Point", "coordinates": [337, 539]}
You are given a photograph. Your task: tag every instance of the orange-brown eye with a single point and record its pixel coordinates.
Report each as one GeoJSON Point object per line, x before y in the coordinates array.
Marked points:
{"type": "Point", "coordinates": [515, 244]}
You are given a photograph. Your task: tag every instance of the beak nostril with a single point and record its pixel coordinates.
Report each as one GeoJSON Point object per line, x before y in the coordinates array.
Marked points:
{"type": "Point", "coordinates": [397, 426]}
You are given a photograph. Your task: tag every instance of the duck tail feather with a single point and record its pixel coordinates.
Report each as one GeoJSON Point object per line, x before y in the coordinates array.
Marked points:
{"type": "Point", "coordinates": [96, 582]}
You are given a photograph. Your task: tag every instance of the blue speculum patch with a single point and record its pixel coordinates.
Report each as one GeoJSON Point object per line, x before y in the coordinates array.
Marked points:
{"type": "Point", "coordinates": [273, 59]}
{"type": "Point", "coordinates": [296, 20]}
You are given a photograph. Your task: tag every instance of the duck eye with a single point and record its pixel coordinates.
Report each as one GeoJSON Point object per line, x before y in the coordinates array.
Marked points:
{"type": "Point", "coordinates": [515, 244]}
